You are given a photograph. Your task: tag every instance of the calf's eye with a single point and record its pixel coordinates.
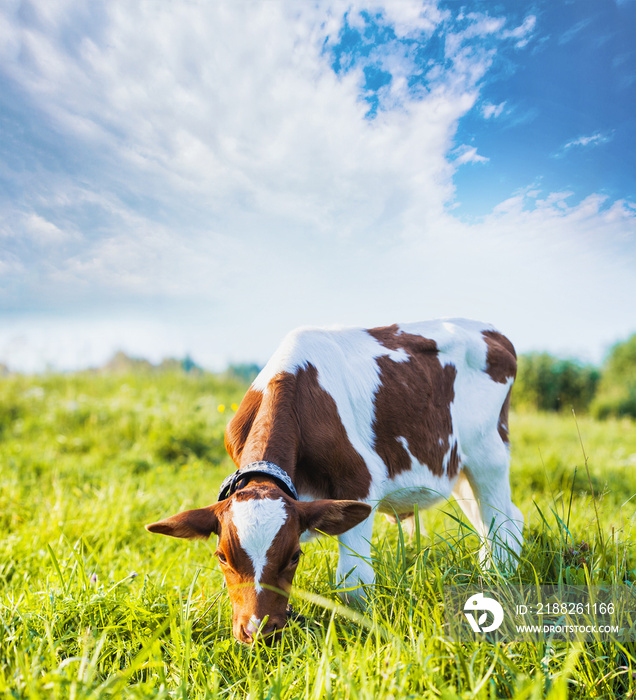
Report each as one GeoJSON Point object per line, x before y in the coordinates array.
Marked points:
{"type": "Point", "coordinates": [295, 558]}
{"type": "Point", "coordinates": [221, 557]}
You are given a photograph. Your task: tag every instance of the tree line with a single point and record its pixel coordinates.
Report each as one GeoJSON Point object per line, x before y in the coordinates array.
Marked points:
{"type": "Point", "coordinates": [549, 383]}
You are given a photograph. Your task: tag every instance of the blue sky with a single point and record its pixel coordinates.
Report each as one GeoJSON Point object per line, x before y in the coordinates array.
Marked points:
{"type": "Point", "coordinates": [203, 177]}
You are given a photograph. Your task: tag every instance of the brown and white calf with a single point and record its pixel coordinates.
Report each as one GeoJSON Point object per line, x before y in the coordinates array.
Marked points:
{"type": "Point", "coordinates": [343, 422]}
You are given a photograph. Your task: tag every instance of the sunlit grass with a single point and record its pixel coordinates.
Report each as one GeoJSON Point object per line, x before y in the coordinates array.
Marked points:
{"type": "Point", "coordinates": [92, 606]}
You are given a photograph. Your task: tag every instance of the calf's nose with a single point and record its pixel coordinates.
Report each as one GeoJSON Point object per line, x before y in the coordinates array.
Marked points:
{"type": "Point", "coordinates": [253, 628]}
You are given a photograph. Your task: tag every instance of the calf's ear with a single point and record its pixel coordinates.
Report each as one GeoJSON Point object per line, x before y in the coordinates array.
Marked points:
{"type": "Point", "coordinates": [331, 517]}
{"type": "Point", "coordinates": [191, 524]}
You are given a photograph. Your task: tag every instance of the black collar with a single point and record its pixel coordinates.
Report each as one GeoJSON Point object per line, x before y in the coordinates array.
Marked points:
{"type": "Point", "coordinates": [230, 483]}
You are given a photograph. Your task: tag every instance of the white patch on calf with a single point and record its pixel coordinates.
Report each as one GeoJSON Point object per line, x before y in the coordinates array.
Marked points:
{"type": "Point", "coordinates": [257, 522]}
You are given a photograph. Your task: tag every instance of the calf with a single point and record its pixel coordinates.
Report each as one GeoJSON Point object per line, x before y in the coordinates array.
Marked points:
{"type": "Point", "coordinates": [341, 422]}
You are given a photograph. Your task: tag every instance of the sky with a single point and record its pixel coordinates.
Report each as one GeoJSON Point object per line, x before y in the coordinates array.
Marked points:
{"type": "Point", "coordinates": [201, 178]}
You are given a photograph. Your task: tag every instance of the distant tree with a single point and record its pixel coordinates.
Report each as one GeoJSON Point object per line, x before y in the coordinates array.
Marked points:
{"type": "Point", "coordinates": [121, 363]}
{"type": "Point", "coordinates": [172, 364]}
{"type": "Point", "coordinates": [189, 365]}
{"type": "Point", "coordinates": [246, 372]}
{"type": "Point", "coordinates": [549, 383]}
{"type": "Point", "coordinates": [617, 389]}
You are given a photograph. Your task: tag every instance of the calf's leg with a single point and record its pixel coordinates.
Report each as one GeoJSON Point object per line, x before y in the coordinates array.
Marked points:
{"type": "Point", "coordinates": [354, 561]}
{"type": "Point", "coordinates": [483, 493]}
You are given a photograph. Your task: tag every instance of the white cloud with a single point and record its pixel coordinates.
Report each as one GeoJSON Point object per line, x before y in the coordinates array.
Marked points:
{"type": "Point", "coordinates": [583, 141]}
{"type": "Point", "coordinates": [44, 232]}
{"type": "Point", "coordinates": [571, 33]}
{"type": "Point", "coordinates": [522, 33]}
{"type": "Point", "coordinates": [408, 17]}
{"type": "Point", "coordinates": [482, 25]}
{"type": "Point", "coordinates": [9, 42]}
{"type": "Point", "coordinates": [240, 112]}
{"type": "Point", "coordinates": [552, 274]}
{"type": "Point", "coordinates": [10, 265]}
{"type": "Point", "coordinates": [468, 154]}
{"type": "Point", "coordinates": [489, 110]}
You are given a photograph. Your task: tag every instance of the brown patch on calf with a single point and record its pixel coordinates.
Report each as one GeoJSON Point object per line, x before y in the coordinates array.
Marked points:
{"type": "Point", "coordinates": [501, 365]}
{"type": "Point", "coordinates": [452, 467]}
{"type": "Point", "coordinates": [265, 426]}
{"type": "Point", "coordinates": [328, 464]}
{"type": "Point", "coordinates": [239, 427]}
{"type": "Point", "coordinates": [392, 339]}
{"type": "Point", "coordinates": [502, 425]}
{"type": "Point", "coordinates": [296, 425]}
{"type": "Point", "coordinates": [501, 358]}
{"type": "Point", "coordinates": [413, 402]}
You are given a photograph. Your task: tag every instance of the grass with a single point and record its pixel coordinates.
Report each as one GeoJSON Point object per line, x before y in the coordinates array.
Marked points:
{"type": "Point", "coordinates": [92, 606]}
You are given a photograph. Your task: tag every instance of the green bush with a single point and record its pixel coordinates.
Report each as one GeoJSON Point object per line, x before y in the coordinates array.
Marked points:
{"type": "Point", "coordinates": [617, 390]}
{"type": "Point", "coordinates": [548, 383]}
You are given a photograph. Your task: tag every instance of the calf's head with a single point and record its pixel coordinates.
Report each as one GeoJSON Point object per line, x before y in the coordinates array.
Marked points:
{"type": "Point", "coordinates": [259, 529]}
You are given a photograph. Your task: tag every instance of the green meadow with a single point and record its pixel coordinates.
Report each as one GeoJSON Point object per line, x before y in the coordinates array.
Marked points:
{"type": "Point", "coordinates": [93, 606]}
